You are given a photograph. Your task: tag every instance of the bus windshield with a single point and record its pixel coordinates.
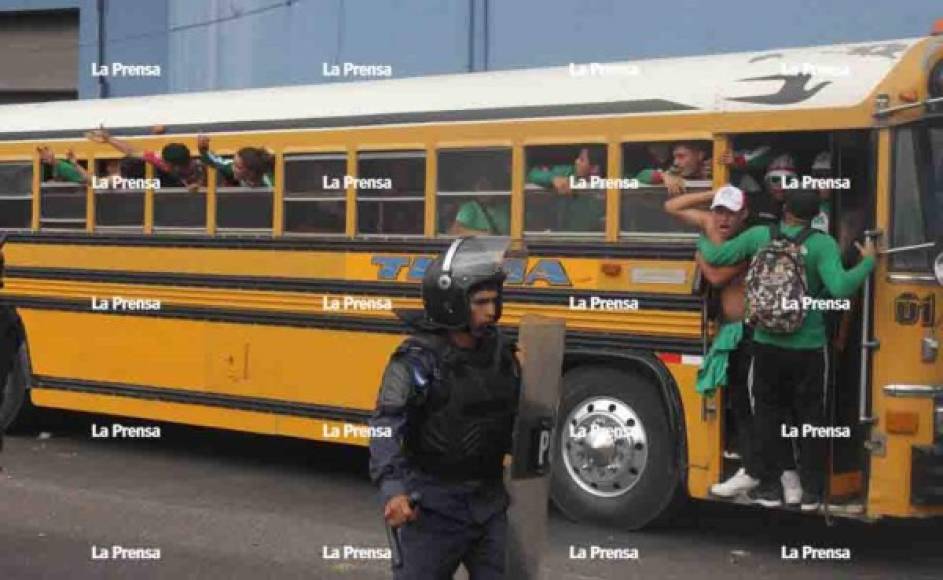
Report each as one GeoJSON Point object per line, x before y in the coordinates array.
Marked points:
{"type": "Point", "coordinates": [933, 193]}
{"type": "Point", "coordinates": [917, 193]}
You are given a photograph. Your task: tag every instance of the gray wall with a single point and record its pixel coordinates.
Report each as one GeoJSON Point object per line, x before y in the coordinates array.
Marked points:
{"type": "Point", "coordinates": [227, 44]}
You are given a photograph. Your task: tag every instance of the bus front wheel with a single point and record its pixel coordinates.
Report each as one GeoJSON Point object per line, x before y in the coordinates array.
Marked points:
{"type": "Point", "coordinates": [613, 450]}
{"type": "Point", "coordinates": [14, 395]}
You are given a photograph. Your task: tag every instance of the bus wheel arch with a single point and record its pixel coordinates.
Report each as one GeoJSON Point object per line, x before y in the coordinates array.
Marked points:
{"type": "Point", "coordinates": [16, 408]}
{"type": "Point", "coordinates": [619, 450]}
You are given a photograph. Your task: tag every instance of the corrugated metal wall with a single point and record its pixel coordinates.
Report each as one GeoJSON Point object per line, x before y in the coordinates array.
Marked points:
{"type": "Point", "coordinates": [40, 56]}
{"type": "Point", "coordinates": [226, 44]}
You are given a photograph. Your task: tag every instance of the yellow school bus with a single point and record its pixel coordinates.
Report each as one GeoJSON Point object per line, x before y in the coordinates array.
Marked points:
{"type": "Point", "coordinates": [269, 310]}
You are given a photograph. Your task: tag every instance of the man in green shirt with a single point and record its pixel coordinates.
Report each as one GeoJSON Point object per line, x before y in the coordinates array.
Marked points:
{"type": "Point", "coordinates": [488, 216]}
{"type": "Point", "coordinates": [572, 211]}
{"type": "Point", "coordinates": [789, 371]}
{"type": "Point", "coordinates": [67, 169]}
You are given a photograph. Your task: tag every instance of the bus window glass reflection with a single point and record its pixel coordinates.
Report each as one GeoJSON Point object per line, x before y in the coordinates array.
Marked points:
{"type": "Point", "coordinates": [16, 195]}
{"type": "Point", "coordinates": [474, 192]}
{"type": "Point", "coordinates": [391, 192]}
{"type": "Point", "coordinates": [315, 196]}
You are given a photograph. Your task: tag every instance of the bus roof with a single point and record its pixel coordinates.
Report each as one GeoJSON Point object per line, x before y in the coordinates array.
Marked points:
{"type": "Point", "coordinates": [813, 77]}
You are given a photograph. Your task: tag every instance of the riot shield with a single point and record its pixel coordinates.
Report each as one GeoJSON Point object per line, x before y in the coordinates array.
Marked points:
{"type": "Point", "coordinates": [528, 479]}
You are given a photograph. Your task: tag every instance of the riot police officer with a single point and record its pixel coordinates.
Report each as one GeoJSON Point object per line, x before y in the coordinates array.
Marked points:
{"type": "Point", "coordinates": [444, 420]}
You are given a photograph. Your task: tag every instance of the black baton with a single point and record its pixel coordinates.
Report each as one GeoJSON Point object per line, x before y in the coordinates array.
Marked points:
{"type": "Point", "coordinates": [392, 534]}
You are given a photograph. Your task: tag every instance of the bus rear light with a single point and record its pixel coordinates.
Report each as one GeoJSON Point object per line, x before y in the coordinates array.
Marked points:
{"type": "Point", "coordinates": [902, 422]}
{"type": "Point", "coordinates": [908, 96]}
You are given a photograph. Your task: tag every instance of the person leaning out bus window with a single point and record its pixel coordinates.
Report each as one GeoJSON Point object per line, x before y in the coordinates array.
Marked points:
{"type": "Point", "coordinates": [174, 160]}
{"type": "Point", "coordinates": [249, 167]}
{"type": "Point", "coordinates": [67, 170]}
{"type": "Point", "coordinates": [557, 177]}
{"type": "Point", "coordinates": [579, 212]}
{"type": "Point", "coordinates": [690, 161]}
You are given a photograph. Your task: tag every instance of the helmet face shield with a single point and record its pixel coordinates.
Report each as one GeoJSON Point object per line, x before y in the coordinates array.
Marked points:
{"type": "Point", "coordinates": [469, 262]}
{"type": "Point", "coordinates": [475, 258]}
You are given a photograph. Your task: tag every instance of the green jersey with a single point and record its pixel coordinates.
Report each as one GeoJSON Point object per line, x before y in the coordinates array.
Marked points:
{"type": "Point", "coordinates": [824, 272]}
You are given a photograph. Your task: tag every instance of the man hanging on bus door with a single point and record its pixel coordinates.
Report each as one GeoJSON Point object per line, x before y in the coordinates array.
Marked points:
{"type": "Point", "coordinates": [794, 265]}
{"type": "Point", "coordinates": [444, 418]}
{"type": "Point", "coordinates": [726, 363]}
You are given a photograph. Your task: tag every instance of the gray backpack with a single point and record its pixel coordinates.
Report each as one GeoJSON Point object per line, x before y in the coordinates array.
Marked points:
{"type": "Point", "coordinates": [776, 284]}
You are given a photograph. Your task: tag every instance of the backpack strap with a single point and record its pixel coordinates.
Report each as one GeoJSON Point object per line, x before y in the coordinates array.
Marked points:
{"type": "Point", "coordinates": [805, 233]}
{"type": "Point", "coordinates": [774, 232]}
{"type": "Point", "coordinates": [493, 227]}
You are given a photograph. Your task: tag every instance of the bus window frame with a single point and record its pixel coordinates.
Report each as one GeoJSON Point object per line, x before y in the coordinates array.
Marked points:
{"type": "Point", "coordinates": [93, 215]}
{"type": "Point", "coordinates": [383, 151]}
{"type": "Point", "coordinates": [901, 273]}
{"type": "Point", "coordinates": [31, 161]}
{"type": "Point", "coordinates": [718, 145]}
{"type": "Point", "coordinates": [88, 221]}
{"type": "Point", "coordinates": [237, 190]}
{"type": "Point", "coordinates": [304, 154]}
{"type": "Point", "coordinates": [151, 213]}
{"type": "Point", "coordinates": [454, 146]}
{"type": "Point", "coordinates": [568, 141]}
{"type": "Point", "coordinates": [213, 190]}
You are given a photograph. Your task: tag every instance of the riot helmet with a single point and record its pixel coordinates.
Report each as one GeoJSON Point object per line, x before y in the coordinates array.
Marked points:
{"type": "Point", "coordinates": [451, 278]}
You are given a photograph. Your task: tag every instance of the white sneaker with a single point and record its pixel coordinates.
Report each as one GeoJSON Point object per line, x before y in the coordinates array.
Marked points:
{"type": "Point", "coordinates": [792, 488]}
{"type": "Point", "coordinates": [738, 483]}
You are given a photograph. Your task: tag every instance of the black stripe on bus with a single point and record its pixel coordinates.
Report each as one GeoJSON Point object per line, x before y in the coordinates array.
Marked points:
{"type": "Point", "coordinates": [574, 338]}
{"type": "Point", "coordinates": [548, 296]}
{"type": "Point", "coordinates": [239, 402]}
{"type": "Point", "coordinates": [675, 250]}
{"type": "Point", "coordinates": [354, 121]}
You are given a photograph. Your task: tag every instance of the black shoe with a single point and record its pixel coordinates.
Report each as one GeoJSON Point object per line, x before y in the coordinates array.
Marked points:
{"type": "Point", "coordinates": [810, 501]}
{"type": "Point", "coordinates": [767, 494]}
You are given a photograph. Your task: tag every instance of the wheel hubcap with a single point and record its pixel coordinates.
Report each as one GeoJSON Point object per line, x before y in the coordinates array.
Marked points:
{"type": "Point", "coordinates": [604, 446]}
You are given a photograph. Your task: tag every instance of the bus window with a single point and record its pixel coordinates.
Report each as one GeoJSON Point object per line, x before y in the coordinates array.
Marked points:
{"type": "Point", "coordinates": [908, 222]}
{"type": "Point", "coordinates": [179, 210]}
{"type": "Point", "coordinates": [315, 194]}
{"type": "Point", "coordinates": [16, 193]}
{"type": "Point", "coordinates": [241, 208]}
{"type": "Point", "coordinates": [119, 194]}
{"type": "Point", "coordinates": [562, 195]}
{"type": "Point", "coordinates": [391, 192]}
{"type": "Point", "coordinates": [474, 192]}
{"type": "Point", "coordinates": [644, 167]}
{"type": "Point", "coordinates": [62, 197]}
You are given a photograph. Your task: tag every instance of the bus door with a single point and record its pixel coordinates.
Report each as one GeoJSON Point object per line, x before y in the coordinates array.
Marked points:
{"type": "Point", "coordinates": [906, 408]}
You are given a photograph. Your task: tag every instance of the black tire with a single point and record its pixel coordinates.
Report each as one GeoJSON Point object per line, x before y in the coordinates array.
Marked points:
{"type": "Point", "coordinates": [15, 406]}
{"type": "Point", "coordinates": [656, 491]}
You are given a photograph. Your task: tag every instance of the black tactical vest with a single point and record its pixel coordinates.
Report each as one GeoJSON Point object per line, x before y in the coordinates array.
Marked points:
{"type": "Point", "coordinates": [462, 422]}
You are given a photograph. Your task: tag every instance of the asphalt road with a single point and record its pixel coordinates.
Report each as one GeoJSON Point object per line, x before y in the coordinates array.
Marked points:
{"type": "Point", "coordinates": [223, 505]}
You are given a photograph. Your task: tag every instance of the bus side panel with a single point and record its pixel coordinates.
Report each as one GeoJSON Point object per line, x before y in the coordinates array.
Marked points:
{"type": "Point", "coordinates": [703, 432]}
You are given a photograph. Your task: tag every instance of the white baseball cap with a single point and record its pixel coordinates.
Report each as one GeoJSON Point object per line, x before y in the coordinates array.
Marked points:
{"type": "Point", "coordinates": [729, 197]}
